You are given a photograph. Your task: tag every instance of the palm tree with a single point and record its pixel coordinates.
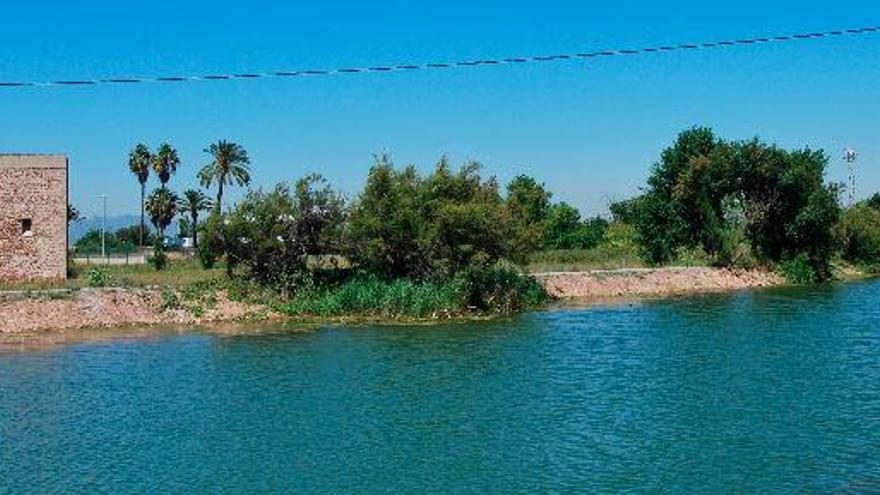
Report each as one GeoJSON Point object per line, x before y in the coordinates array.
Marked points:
{"type": "Point", "coordinates": [165, 163]}
{"type": "Point", "coordinates": [230, 166]}
{"type": "Point", "coordinates": [162, 207]}
{"type": "Point", "coordinates": [193, 202]}
{"type": "Point", "coordinates": [139, 161]}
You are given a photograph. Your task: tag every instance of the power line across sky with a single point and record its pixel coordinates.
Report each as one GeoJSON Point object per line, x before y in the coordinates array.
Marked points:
{"type": "Point", "coordinates": [448, 64]}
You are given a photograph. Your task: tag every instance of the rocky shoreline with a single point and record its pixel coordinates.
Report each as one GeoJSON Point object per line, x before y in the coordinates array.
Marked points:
{"type": "Point", "coordinates": [71, 310]}
{"type": "Point", "coordinates": [611, 284]}
{"type": "Point", "coordinates": [67, 310]}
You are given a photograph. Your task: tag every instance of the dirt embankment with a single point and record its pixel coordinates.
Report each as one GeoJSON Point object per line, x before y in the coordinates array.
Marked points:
{"type": "Point", "coordinates": [102, 308]}
{"type": "Point", "coordinates": [647, 282]}
{"type": "Point", "coordinates": [61, 311]}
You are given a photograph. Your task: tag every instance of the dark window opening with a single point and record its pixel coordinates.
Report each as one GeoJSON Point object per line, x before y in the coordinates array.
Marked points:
{"type": "Point", "coordinates": [27, 227]}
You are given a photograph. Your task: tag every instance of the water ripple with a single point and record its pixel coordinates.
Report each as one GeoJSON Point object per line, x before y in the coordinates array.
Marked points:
{"type": "Point", "coordinates": [773, 391]}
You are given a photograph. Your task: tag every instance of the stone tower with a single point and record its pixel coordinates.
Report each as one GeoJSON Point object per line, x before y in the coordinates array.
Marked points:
{"type": "Point", "coordinates": [33, 217]}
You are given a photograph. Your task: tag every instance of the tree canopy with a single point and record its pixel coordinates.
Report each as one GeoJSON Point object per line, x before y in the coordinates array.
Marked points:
{"type": "Point", "coordinates": [703, 190]}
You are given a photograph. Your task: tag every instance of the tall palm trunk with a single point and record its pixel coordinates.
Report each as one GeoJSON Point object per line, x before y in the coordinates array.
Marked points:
{"type": "Point", "coordinates": [143, 200]}
{"type": "Point", "coordinates": [220, 196]}
{"type": "Point", "coordinates": [195, 230]}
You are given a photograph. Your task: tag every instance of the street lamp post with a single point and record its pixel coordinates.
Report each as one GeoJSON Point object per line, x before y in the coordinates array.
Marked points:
{"type": "Point", "coordinates": [104, 228]}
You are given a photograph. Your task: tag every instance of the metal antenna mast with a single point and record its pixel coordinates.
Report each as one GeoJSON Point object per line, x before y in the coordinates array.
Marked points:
{"type": "Point", "coordinates": [850, 156]}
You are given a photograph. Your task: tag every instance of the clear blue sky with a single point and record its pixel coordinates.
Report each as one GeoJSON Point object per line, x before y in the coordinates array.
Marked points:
{"type": "Point", "coordinates": [590, 130]}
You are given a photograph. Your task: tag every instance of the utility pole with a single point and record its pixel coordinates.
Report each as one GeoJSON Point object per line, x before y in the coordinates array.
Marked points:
{"type": "Point", "coordinates": [850, 156]}
{"type": "Point", "coordinates": [104, 228]}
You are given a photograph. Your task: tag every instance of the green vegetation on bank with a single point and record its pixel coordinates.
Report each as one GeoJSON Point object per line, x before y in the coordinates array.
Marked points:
{"type": "Point", "coordinates": [453, 243]}
{"type": "Point", "coordinates": [859, 235]}
{"type": "Point", "coordinates": [499, 289]}
{"type": "Point", "coordinates": [409, 245]}
{"type": "Point", "coordinates": [748, 204]}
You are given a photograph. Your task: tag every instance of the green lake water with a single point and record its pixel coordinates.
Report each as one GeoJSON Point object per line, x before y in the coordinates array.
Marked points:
{"type": "Point", "coordinates": [773, 392]}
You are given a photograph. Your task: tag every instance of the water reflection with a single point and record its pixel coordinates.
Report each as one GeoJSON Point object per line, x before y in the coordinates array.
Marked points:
{"type": "Point", "coordinates": [766, 391]}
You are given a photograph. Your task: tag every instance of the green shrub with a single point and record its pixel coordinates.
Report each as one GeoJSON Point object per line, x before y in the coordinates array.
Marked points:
{"type": "Point", "coordinates": [859, 234]}
{"type": "Point", "coordinates": [502, 288]}
{"type": "Point", "coordinates": [159, 259]}
{"type": "Point", "coordinates": [798, 270]}
{"type": "Point", "coordinates": [621, 236]}
{"type": "Point", "coordinates": [211, 241]}
{"type": "Point", "coordinates": [170, 300]}
{"type": "Point", "coordinates": [98, 277]}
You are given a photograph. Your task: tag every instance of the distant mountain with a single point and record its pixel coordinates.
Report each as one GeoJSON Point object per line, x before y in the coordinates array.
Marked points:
{"type": "Point", "coordinates": [79, 229]}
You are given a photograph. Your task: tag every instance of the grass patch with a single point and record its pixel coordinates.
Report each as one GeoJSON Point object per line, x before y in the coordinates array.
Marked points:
{"type": "Point", "coordinates": [178, 273]}
{"type": "Point", "coordinates": [582, 260]}
{"type": "Point", "coordinates": [377, 298]}
{"type": "Point", "coordinates": [497, 289]}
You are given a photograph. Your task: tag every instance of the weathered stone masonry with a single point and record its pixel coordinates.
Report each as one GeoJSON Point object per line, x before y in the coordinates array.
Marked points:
{"type": "Point", "coordinates": [33, 217]}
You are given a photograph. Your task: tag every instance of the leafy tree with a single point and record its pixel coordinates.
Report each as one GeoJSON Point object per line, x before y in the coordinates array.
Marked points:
{"type": "Point", "coordinates": [530, 198]}
{"type": "Point", "coordinates": [788, 209]}
{"type": "Point", "coordinates": [165, 163]}
{"type": "Point", "coordinates": [273, 235]}
{"type": "Point", "coordinates": [320, 213]}
{"type": "Point", "coordinates": [161, 205]}
{"type": "Point", "coordinates": [140, 159]}
{"type": "Point", "coordinates": [562, 220]}
{"type": "Point", "coordinates": [661, 229]}
{"type": "Point", "coordinates": [467, 221]}
{"type": "Point", "coordinates": [387, 230]}
{"type": "Point", "coordinates": [704, 191]}
{"type": "Point", "coordinates": [683, 206]}
{"type": "Point", "coordinates": [564, 229]}
{"type": "Point", "coordinates": [193, 203]}
{"type": "Point", "coordinates": [405, 225]}
{"type": "Point", "coordinates": [529, 203]}
{"type": "Point", "coordinates": [230, 165]}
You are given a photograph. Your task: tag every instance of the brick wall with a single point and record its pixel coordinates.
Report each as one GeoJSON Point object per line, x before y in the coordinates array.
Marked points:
{"type": "Point", "coordinates": [34, 188]}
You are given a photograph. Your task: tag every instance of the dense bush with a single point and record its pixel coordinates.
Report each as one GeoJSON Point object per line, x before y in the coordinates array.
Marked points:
{"type": "Point", "coordinates": [797, 270]}
{"type": "Point", "coordinates": [270, 236]}
{"type": "Point", "coordinates": [432, 227]}
{"type": "Point", "coordinates": [860, 237]}
{"type": "Point", "coordinates": [501, 288]}
{"type": "Point", "coordinates": [97, 277]}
